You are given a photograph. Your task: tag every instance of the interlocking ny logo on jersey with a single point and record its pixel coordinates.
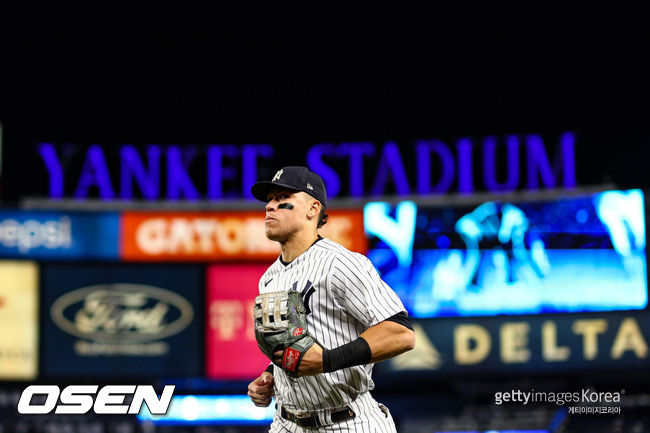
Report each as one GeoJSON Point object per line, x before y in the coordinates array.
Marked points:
{"type": "Point", "coordinates": [277, 175]}
{"type": "Point", "coordinates": [306, 294]}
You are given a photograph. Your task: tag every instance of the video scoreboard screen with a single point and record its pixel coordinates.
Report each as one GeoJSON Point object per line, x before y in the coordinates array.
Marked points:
{"type": "Point", "coordinates": [577, 254]}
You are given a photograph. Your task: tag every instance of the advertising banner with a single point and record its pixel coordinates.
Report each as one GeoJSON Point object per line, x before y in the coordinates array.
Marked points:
{"type": "Point", "coordinates": [231, 349]}
{"type": "Point", "coordinates": [59, 235]}
{"type": "Point", "coordinates": [115, 321]}
{"type": "Point", "coordinates": [214, 236]}
{"type": "Point", "coordinates": [18, 320]}
{"type": "Point", "coordinates": [559, 342]}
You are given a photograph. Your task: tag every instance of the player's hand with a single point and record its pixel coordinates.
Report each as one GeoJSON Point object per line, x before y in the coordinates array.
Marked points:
{"type": "Point", "coordinates": [261, 389]}
{"type": "Point", "coordinates": [311, 364]}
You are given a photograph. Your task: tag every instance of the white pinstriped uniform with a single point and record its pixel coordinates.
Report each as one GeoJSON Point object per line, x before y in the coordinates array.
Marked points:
{"type": "Point", "coordinates": [344, 296]}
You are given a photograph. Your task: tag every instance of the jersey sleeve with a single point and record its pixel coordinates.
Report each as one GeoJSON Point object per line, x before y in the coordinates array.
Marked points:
{"type": "Point", "coordinates": [357, 288]}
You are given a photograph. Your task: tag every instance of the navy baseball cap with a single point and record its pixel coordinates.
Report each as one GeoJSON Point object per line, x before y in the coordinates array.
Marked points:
{"type": "Point", "coordinates": [294, 178]}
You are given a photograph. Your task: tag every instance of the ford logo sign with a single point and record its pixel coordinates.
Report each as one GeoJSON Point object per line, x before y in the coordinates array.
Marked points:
{"type": "Point", "coordinates": [122, 313]}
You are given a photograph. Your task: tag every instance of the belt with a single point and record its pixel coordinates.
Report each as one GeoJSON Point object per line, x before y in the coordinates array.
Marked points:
{"type": "Point", "coordinates": [311, 419]}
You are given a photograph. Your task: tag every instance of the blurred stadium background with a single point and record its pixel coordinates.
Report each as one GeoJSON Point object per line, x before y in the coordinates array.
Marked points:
{"type": "Point", "coordinates": [497, 183]}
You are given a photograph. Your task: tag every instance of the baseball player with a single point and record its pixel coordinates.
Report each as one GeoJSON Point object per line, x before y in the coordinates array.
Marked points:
{"type": "Point", "coordinates": [323, 317]}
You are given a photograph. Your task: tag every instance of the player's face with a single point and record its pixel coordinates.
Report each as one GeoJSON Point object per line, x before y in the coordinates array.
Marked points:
{"type": "Point", "coordinates": [282, 221]}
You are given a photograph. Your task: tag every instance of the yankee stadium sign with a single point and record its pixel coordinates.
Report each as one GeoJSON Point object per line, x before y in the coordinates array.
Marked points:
{"type": "Point", "coordinates": [359, 169]}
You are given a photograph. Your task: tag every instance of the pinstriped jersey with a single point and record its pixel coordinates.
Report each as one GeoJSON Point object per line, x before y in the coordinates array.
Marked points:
{"type": "Point", "coordinates": [343, 295]}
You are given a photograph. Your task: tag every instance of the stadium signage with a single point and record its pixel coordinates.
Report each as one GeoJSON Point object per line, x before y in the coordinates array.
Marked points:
{"type": "Point", "coordinates": [122, 313]}
{"type": "Point", "coordinates": [359, 169]}
{"type": "Point", "coordinates": [472, 343]}
{"type": "Point", "coordinates": [210, 236]}
{"type": "Point", "coordinates": [32, 233]}
{"type": "Point", "coordinates": [610, 340]}
{"type": "Point", "coordinates": [231, 290]}
{"type": "Point", "coordinates": [58, 235]}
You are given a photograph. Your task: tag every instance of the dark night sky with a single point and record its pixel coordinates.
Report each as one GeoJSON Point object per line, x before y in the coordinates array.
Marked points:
{"type": "Point", "coordinates": [337, 81]}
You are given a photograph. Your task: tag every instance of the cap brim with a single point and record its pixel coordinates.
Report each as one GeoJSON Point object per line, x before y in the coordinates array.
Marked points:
{"type": "Point", "coordinates": [260, 190]}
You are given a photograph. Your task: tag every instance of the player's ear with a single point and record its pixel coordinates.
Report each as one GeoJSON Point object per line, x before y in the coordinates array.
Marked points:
{"type": "Point", "coordinates": [314, 208]}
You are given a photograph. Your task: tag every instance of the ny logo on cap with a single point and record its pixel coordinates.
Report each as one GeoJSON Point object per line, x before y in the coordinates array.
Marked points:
{"type": "Point", "coordinates": [277, 175]}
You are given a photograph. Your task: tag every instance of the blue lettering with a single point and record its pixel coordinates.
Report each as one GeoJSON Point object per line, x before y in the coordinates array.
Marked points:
{"type": "Point", "coordinates": [54, 169]}
{"type": "Point", "coordinates": [538, 162]}
{"type": "Point", "coordinates": [178, 180]}
{"type": "Point", "coordinates": [567, 144]}
{"type": "Point", "coordinates": [423, 149]}
{"type": "Point", "coordinates": [132, 166]}
{"type": "Point", "coordinates": [216, 170]}
{"type": "Point", "coordinates": [435, 163]}
{"type": "Point", "coordinates": [490, 165]}
{"type": "Point", "coordinates": [95, 172]}
{"type": "Point", "coordinates": [465, 166]}
{"type": "Point", "coordinates": [316, 164]}
{"type": "Point", "coordinates": [391, 163]}
{"type": "Point", "coordinates": [356, 151]}
{"type": "Point", "coordinates": [250, 153]}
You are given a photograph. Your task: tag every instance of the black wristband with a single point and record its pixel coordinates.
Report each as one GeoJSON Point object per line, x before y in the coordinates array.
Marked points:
{"type": "Point", "coordinates": [269, 369]}
{"type": "Point", "coordinates": [354, 353]}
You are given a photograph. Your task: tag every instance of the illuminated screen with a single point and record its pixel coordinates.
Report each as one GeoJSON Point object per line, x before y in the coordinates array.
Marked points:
{"type": "Point", "coordinates": [565, 255]}
{"type": "Point", "coordinates": [501, 431]}
{"type": "Point", "coordinates": [211, 409]}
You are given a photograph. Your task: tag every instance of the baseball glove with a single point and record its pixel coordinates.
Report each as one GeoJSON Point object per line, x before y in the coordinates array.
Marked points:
{"type": "Point", "coordinates": [281, 324]}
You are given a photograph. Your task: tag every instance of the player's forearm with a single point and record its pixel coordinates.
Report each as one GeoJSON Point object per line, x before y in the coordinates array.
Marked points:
{"type": "Point", "coordinates": [382, 341]}
{"type": "Point", "coordinates": [388, 339]}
